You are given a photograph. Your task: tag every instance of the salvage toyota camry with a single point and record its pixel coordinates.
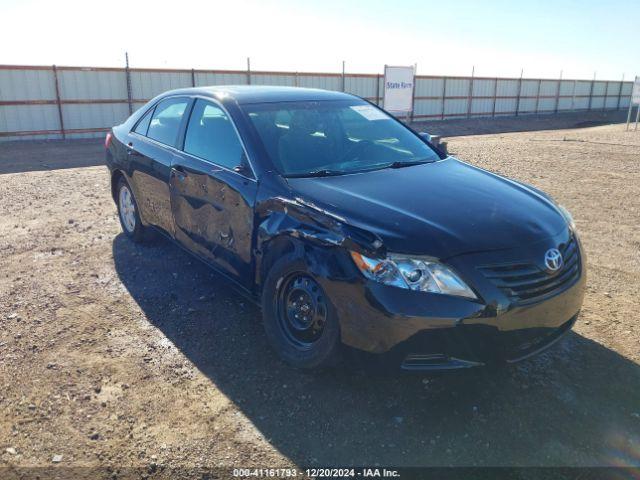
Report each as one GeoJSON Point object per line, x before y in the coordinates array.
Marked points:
{"type": "Point", "coordinates": [348, 227]}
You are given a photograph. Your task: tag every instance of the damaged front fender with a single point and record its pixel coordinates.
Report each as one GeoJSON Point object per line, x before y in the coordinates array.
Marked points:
{"type": "Point", "coordinates": [304, 222]}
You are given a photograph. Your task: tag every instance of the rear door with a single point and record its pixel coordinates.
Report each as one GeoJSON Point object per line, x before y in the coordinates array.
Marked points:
{"type": "Point", "coordinates": [150, 151]}
{"type": "Point", "coordinates": [213, 192]}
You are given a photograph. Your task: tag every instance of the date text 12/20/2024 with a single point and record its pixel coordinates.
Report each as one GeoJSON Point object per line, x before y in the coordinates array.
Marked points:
{"type": "Point", "coordinates": [316, 473]}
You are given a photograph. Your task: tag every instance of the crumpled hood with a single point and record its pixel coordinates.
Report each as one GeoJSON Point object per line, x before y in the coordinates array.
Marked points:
{"type": "Point", "coordinates": [440, 209]}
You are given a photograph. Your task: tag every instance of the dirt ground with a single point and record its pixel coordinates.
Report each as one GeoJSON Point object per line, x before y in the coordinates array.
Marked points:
{"type": "Point", "coordinates": [115, 355]}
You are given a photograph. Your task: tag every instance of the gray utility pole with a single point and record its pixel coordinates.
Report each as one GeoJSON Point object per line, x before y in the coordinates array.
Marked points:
{"type": "Point", "coordinates": [631, 107]}
{"type": "Point", "coordinates": [555, 109]}
{"type": "Point", "coordinates": [470, 92]}
{"type": "Point", "coordinates": [413, 91]}
{"type": "Point", "coordinates": [591, 90]}
{"type": "Point", "coordinates": [519, 91]}
{"type": "Point", "coordinates": [128, 80]}
{"type": "Point", "coordinates": [620, 92]}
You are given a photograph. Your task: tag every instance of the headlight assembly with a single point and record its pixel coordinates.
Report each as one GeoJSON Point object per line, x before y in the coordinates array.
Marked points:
{"type": "Point", "coordinates": [413, 273]}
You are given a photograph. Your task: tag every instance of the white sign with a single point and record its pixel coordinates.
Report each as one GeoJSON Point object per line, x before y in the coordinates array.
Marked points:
{"type": "Point", "coordinates": [635, 95]}
{"type": "Point", "coordinates": [398, 89]}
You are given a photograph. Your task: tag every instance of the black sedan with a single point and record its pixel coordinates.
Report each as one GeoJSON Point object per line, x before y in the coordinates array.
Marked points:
{"type": "Point", "coordinates": [349, 227]}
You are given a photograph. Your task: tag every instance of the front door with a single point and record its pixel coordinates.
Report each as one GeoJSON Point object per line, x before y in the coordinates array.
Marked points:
{"type": "Point", "coordinates": [213, 192]}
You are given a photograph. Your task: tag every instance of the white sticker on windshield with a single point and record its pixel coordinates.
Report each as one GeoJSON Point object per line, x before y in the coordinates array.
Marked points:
{"type": "Point", "coordinates": [369, 112]}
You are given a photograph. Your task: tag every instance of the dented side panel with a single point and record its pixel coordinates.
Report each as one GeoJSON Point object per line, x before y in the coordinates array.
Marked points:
{"type": "Point", "coordinates": [300, 219]}
{"type": "Point", "coordinates": [213, 215]}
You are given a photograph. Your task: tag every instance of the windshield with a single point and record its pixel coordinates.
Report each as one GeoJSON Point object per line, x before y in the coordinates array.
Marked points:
{"type": "Point", "coordinates": [334, 138]}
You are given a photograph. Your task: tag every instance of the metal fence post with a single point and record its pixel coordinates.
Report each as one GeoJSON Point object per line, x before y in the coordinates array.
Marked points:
{"type": "Point", "coordinates": [606, 94]}
{"type": "Point", "coordinates": [620, 92]}
{"type": "Point", "coordinates": [378, 89]}
{"type": "Point", "coordinates": [470, 94]}
{"type": "Point", "coordinates": [383, 84]}
{"type": "Point", "coordinates": [519, 92]}
{"type": "Point", "coordinates": [444, 95]}
{"type": "Point", "coordinates": [193, 77]}
{"type": "Point", "coordinates": [343, 85]}
{"type": "Point", "coordinates": [573, 96]}
{"type": "Point", "coordinates": [538, 95]}
{"type": "Point", "coordinates": [555, 109]}
{"type": "Point", "coordinates": [591, 91]}
{"type": "Point", "coordinates": [495, 97]}
{"type": "Point", "coordinates": [58, 103]}
{"type": "Point", "coordinates": [248, 71]}
{"type": "Point", "coordinates": [413, 92]}
{"type": "Point", "coordinates": [127, 73]}
{"type": "Point", "coordinates": [296, 81]}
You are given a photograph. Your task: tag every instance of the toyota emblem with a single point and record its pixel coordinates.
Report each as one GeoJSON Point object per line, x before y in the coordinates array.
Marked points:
{"type": "Point", "coordinates": [553, 260]}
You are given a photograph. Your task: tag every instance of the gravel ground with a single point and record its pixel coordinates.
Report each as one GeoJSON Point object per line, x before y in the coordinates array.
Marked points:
{"type": "Point", "coordinates": [114, 355]}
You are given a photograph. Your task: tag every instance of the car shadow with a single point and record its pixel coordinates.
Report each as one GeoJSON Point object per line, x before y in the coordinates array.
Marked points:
{"type": "Point", "coordinates": [577, 404]}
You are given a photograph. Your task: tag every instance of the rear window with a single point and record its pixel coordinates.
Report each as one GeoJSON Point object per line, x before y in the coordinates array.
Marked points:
{"type": "Point", "coordinates": [165, 123]}
{"type": "Point", "coordinates": [143, 125]}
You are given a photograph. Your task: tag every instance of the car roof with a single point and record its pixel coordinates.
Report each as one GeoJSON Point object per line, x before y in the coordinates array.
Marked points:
{"type": "Point", "coordinates": [244, 94]}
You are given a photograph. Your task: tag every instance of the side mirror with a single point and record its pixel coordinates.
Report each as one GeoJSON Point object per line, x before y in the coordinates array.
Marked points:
{"type": "Point", "coordinates": [436, 141]}
{"type": "Point", "coordinates": [242, 169]}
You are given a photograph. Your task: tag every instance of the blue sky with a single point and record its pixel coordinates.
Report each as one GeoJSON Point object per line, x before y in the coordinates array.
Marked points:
{"type": "Point", "coordinates": [442, 37]}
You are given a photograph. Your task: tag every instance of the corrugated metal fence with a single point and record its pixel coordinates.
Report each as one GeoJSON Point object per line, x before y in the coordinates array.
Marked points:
{"type": "Point", "coordinates": [42, 102]}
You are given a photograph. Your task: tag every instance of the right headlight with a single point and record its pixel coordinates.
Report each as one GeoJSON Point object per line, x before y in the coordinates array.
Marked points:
{"type": "Point", "coordinates": [413, 273]}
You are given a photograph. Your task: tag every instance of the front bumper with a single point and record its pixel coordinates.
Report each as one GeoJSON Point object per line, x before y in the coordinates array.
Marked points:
{"type": "Point", "coordinates": [425, 331]}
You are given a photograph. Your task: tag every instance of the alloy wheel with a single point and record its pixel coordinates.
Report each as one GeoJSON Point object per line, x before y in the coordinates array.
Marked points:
{"type": "Point", "coordinates": [127, 209]}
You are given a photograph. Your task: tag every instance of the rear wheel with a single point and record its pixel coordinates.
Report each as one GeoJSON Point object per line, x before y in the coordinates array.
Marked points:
{"type": "Point", "coordinates": [299, 319]}
{"type": "Point", "coordinates": [128, 213]}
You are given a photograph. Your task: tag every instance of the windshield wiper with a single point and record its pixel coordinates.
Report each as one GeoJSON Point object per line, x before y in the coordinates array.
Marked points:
{"type": "Point", "coordinates": [327, 173]}
{"type": "Point", "coordinates": [397, 164]}
{"type": "Point", "coordinates": [315, 173]}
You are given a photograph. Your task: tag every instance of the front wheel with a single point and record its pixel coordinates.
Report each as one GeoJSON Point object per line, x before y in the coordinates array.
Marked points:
{"type": "Point", "coordinates": [299, 319]}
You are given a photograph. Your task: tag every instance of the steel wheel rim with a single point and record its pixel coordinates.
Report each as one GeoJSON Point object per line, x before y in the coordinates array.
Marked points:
{"type": "Point", "coordinates": [302, 311]}
{"type": "Point", "coordinates": [127, 209]}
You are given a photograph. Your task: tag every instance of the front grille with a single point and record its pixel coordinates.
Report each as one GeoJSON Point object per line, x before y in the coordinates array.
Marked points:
{"type": "Point", "coordinates": [527, 282]}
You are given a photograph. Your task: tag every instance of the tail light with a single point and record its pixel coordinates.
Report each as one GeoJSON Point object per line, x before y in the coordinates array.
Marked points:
{"type": "Point", "coordinates": [107, 140]}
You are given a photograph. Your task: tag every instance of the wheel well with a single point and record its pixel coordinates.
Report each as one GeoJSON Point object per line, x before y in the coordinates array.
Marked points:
{"type": "Point", "coordinates": [116, 175]}
{"type": "Point", "coordinates": [274, 250]}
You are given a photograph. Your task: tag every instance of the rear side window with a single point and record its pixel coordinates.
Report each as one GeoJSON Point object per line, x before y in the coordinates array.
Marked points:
{"type": "Point", "coordinates": [166, 119]}
{"type": "Point", "coordinates": [143, 125]}
{"type": "Point", "coordinates": [211, 136]}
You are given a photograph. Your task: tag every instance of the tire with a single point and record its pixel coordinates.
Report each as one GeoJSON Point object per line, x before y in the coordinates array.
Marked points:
{"type": "Point", "coordinates": [305, 349]}
{"type": "Point", "coordinates": [128, 214]}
